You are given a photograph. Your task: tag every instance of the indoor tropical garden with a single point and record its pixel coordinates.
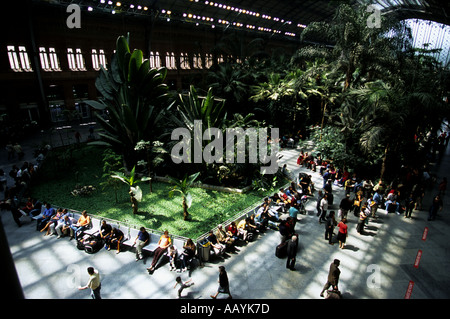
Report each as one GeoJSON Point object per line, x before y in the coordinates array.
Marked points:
{"type": "Point", "coordinates": [364, 96]}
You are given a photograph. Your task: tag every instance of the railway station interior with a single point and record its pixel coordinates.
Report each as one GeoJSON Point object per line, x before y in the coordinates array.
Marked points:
{"type": "Point", "coordinates": [356, 90]}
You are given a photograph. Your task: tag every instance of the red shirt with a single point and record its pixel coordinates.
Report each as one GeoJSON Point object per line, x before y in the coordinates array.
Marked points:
{"type": "Point", "coordinates": [342, 227]}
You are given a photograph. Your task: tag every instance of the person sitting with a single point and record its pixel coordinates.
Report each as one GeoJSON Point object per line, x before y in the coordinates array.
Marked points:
{"type": "Point", "coordinates": [115, 238]}
{"type": "Point", "coordinates": [82, 223]}
{"type": "Point", "coordinates": [392, 205]}
{"type": "Point", "coordinates": [188, 254]}
{"type": "Point", "coordinates": [172, 254]}
{"type": "Point", "coordinates": [37, 208]}
{"type": "Point", "coordinates": [251, 223]}
{"type": "Point", "coordinates": [28, 207]}
{"type": "Point", "coordinates": [232, 231]}
{"type": "Point", "coordinates": [53, 221]}
{"type": "Point", "coordinates": [163, 244]}
{"type": "Point", "coordinates": [45, 216]}
{"type": "Point", "coordinates": [262, 217]}
{"type": "Point", "coordinates": [105, 231]}
{"type": "Point", "coordinates": [243, 229]}
{"type": "Point", "coordinates": [282, 195]}
{"type": "Point", "coordinates": [63, 225]}
{"type": "Point", "coordinates": [217, 247]}
{"type": "Point", "coordinates": [223, 237]}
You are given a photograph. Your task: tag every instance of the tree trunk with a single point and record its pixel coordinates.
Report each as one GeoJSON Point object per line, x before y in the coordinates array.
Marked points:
{"type": "Point", "coordinates": [185, 212]}
{"type": "Point", "coordinates": [384, 163]}
{"type": "Point", "coordinates": [134, 204]}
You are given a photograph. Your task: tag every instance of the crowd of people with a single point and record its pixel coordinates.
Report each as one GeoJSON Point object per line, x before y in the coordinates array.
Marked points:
{"type": "Point", "coordinates": [363, 199]}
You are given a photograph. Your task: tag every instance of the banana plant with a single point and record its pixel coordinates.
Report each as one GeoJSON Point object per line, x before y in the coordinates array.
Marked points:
{"type": "Point", "coordinates": [183, 186]}
{"type": "Point", "coordinates": [135, 191]}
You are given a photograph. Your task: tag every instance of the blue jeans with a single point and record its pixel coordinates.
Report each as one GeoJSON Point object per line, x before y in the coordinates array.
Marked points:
{"type": "Point", "coordinates": [76, 229]}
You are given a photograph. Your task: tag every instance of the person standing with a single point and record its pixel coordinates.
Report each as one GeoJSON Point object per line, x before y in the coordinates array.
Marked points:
{"type": "Point", "coordinates": [93, 283]}
{"type": "Point", "coordinates": [409, 205]}
{"type": "Point", "coordinates": [436, 206]}
{"type": "Point", "coordinates": [319, 198]}
{"type": "Point", "coordinates": [378, 199]}
{"type": "Point", "coordinates": [343, 232]}
{"type": "Point", "coordinates": [333, 276]}
{"type": "Point", "coordinates": [224, 285]}
{"type": "Point", "coordinates": [291, 252]}
{"type": "Point", "coordinates": [323, 208]}
{"type": "Point", "coordinates": [363, 214]}
{"type": "Point", "coordinates": [329, 227]}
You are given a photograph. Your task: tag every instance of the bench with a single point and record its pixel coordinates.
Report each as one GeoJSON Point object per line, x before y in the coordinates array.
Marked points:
{"type": "Point", "coordinates": [133, 233]}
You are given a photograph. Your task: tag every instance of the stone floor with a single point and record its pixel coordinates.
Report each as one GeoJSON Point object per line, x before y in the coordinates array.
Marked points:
{"type": "Point", "coordinates": [378, 265]}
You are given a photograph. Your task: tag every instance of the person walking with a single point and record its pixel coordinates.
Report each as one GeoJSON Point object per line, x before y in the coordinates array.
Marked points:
{"type": "Point", "coordinates": [224, 285]}
{"type": "Point", "coordinates": [93, 283]}
{"type": "Point", "coordinates": [333, 277]}
{"type": "Point", "coordinates": [291, 252]}
{"type": "Point", "coordinates": [343, 232]}
{"type": "Point", "coordinates": [329, 227]}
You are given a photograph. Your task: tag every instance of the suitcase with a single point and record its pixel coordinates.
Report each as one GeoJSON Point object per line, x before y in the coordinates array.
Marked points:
{"type": "Point", "coordinates": [281, 250]}
{"type": "Point", "coordinates": [333, 294]}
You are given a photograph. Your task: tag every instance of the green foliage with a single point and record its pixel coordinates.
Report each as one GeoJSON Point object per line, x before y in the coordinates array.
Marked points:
{"type": "Point", "coordinates": [156, 210]}
{"type": "Point", "coordinates": [183, 186]}
{"type": "Point", "coordinates": [135, 97]}
{"type": "Point", "coordinates": [112, 162]}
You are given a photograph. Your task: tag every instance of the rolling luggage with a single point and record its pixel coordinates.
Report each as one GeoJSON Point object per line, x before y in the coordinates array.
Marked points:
{"type": "Point", "coordinates": [281, 250]}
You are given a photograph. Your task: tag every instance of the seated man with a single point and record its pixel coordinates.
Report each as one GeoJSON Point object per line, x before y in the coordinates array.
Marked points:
{"type": "Point", "coordinates": [27, 208]}
{"type": "Point", "coordinates": [115, 238]}
{"type": "Point", "coordinates": [37, 208]}
{"type": "Point", "coordinates": [82, 223]}
{"type": "Point", "coordinates": [105, 231]}
{"type": "Point", "coordinates": [223, 237]}
{"type": "Point", "coordinates": [63, 225]}
{"type": "Point", "coordinates": [45, 216]}
{"type": "Point", "coordinates": [391, 206]}
{"type": "Point", "coordinates": [218, 248]}
{"type": "Point", "coordinates": [262, 217]}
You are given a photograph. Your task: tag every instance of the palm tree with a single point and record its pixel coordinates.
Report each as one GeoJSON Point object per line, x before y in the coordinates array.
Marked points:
{"type": "Point", "coordinates": [183, 186]}
{"type": "Point", "coordinates": [359, 52]}
{"type": "Point", "coordinates": [229, 82]}
{"type": "Point", "coordinates": [135, 192]}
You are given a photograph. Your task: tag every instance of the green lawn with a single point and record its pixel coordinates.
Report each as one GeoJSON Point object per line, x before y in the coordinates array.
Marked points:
{"type": "Point", "coordinates": [156, 210]}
